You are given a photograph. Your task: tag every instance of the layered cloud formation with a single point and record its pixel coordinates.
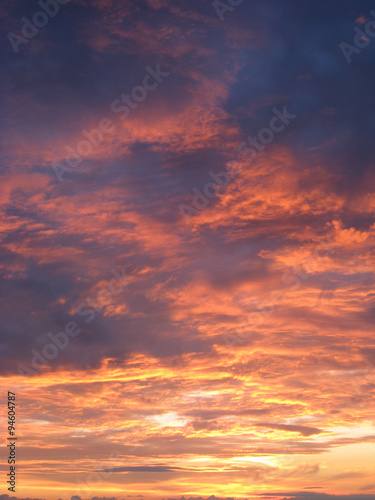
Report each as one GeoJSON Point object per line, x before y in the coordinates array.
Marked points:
{"type": "Point", "coordinates": [188, 300]}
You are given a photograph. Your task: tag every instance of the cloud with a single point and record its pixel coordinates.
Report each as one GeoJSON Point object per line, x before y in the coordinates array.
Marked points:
{"type": "Point", "coordinates": [154, 468]}
{"type": "Point", "coordinates": [305, 431]}
{"type": "Point", "coordinates": [321, 496]}
{"type": "Point", "coordinates": [240, 353]}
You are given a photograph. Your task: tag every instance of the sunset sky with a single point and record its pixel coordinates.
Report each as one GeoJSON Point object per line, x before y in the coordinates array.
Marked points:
{"type": "Point", "coordinates": [188, 248]}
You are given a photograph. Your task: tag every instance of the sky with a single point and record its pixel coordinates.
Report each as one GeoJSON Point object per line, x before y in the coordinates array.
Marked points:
{"type": "Point", "coordinates": [187, 248]}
